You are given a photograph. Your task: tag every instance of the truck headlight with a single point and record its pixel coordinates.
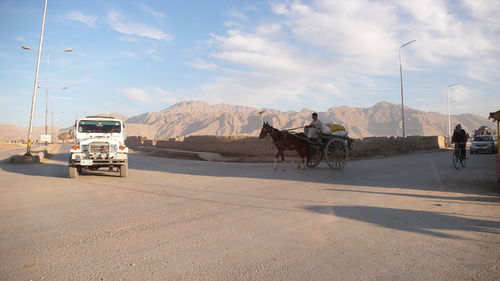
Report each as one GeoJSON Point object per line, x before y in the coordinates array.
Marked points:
{"type": "Point", "coordinates": [113, 148]}
{"type": "Point", "coordinates": [85, 147]}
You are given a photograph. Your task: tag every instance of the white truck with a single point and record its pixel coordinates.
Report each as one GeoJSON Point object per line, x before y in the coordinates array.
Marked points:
{"type": "Point", "coordinates": [100, 142]}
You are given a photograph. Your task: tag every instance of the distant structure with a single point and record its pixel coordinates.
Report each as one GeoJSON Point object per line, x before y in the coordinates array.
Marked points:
{"type": "Point", "coordinates": [483, 130]}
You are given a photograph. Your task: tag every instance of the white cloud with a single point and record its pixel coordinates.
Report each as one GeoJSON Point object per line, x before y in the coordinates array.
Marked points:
{"type": "Point", "coordinates": [130, 39]}
{"type": "Point", "coordinates": [165, 96]}
{"type": "Point", "coordinates": [341, 49]}
{"type": "Point", "coordinates": [79, 16]}
{"type": "Point", "coordinates": [460, 93]}
{"type": "Point", "coordinates": [151, 11]}
{"type": "Point", "coordinates": [486, 10]}
{"type": "Point", "coordinates": [136, 94]}
{"type": "Point", "coordinates": [117, 23]}
{"type": "Point", "coordinates": [149, 95]}
{"type": "Point", "coordinates": [236, 14]}
{"type": "Point", "coordinates": [201, 64]}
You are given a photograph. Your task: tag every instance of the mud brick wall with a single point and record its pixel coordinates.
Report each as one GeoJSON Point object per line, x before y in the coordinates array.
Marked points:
{"type": "Point", "coordinates": [134, 141]}
{"type": "Point", "coordinates": [249, 146]}
{"type": "Point", "coordinates": [149, 143]}
{"type": "Point", "coordinates": [225, 145]}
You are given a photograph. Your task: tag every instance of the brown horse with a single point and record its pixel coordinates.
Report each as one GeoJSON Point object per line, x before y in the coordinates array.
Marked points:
{"type": "Point", "coordinates": [284, 140]}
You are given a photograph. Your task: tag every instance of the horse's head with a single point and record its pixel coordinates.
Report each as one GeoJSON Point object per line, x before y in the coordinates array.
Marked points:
{"type": "Point", "coordinates": [266, 130]}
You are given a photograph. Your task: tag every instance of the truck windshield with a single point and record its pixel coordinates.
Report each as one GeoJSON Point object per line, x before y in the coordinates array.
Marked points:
{"type": "Point", "coordinates": [99, 127]}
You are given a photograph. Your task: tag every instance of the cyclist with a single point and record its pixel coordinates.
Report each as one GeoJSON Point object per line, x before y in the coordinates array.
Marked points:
{"type": "Point", "coordinates": [460, 138]}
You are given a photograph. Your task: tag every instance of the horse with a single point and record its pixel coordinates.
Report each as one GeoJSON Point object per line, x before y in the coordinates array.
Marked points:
{"type": "Point", "coordinates": [284, 140]}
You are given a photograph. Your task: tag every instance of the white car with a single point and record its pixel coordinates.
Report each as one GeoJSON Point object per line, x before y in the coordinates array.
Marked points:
{"type": "Point", "coordinates": [484, 143]}
{"type": "Point", "coordinates": [100, 142]}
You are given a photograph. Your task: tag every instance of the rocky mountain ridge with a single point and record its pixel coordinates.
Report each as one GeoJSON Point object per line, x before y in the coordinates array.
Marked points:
{"type": "Point", "coordinates": [383, 119]}
{"type": "Point", "coordinates": [199, 118]}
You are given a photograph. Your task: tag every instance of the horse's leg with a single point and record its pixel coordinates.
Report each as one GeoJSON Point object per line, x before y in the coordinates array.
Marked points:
{"type": "Point", "coordinates": [300, 158]}
{"type": "Point", "coordinates": [302, 161]}
{"type": "Point", "coordinates": [276, 160]}
{"type": "Point", "coordinates": [285, 164]}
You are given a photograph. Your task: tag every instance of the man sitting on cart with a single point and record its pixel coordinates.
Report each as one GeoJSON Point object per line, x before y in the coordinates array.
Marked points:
{"type": "Point", "coordinates": [314, 128]}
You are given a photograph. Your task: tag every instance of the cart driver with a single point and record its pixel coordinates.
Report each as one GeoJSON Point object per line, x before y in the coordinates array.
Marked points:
{"type": "Point", "coordinates": [313, 129]}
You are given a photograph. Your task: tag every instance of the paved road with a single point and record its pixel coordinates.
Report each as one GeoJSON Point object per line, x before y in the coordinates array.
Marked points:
{"type": "Point", "coordinates": [401, 218]}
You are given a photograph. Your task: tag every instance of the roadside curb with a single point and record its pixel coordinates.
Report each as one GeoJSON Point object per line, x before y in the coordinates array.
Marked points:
{"type": "Point", "coordinates": [193, 155]}
{"type": "Point", "coordinates": [37, 156]}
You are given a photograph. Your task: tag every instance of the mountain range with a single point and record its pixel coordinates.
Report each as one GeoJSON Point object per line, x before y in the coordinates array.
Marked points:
{"type": "Point", "coordinates": [383, 119]}
{"type": "Point", "coordinates": [199, 118]}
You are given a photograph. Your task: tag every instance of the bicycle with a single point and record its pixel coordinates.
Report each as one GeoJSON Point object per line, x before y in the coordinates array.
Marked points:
{"type": "Point", "coordinates": [458, 160]}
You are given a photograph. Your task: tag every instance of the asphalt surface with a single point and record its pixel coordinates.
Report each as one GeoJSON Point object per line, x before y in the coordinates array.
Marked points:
{"type": "Point", "coordinates": [403, 218]}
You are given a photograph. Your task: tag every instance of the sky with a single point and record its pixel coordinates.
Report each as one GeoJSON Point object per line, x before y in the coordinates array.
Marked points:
{"type": "Point", "coordinates": [134, 57]}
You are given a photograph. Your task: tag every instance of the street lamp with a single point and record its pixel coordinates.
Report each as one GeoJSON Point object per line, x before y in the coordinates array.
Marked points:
{"type": "Point", "coordinates": [35, 84]}
{"type": "Point", "coordinates": [402, 103]}
{"type": "Point", "coordinates": [68, 50]}
{"type": "Point", "coordinates": [52, 127]}
{"type": "Point", "coordinates": [449, 119]}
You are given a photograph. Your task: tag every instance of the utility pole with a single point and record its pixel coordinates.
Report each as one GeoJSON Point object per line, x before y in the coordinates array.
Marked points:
{"type": "Point", "coordinates": [35, 84]}
{"type": "Point", "coordinates": [402, 103]}
{"type": "Point", "coordinates": [52, 129]}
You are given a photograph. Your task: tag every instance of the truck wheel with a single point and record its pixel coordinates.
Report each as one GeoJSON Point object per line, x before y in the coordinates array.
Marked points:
{"type": "Point", "coordinates": [73, 172]}
{"type": "Point", "coordinates": [124, 170]}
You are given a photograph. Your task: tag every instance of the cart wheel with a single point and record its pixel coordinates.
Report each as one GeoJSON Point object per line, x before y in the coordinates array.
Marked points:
{"type": "Point", "coordinates": [314, 156]}
{"type": "Point", "coordinates": [336, 153]}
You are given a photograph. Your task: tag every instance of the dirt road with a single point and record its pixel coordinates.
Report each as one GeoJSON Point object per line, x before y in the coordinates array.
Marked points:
{"type": "Point", "coordinates": [403, 218]}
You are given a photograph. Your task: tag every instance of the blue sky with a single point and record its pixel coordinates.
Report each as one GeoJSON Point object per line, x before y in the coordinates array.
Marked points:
{"type": "Point", "coordinates": [142, 56]}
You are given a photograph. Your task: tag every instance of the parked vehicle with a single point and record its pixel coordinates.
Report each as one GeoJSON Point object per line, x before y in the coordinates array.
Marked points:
{"type": "Point", "coordinates": [485, 143]}
{"type": "Point", "coordinates": [100, 142]}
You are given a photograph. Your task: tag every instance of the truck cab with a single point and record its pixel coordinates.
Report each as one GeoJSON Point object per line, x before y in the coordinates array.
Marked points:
{"type": "Point", "coordinates": [99, 142]}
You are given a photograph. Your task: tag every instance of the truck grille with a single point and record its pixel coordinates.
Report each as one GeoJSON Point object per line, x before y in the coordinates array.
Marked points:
{"type": "Point", "coordinates": [99, 147]}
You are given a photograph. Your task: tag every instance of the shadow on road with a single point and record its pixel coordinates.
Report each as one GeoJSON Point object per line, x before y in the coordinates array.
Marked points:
{"type": "Point", "coordinates": [437, 197]}
{"type": "Point", "coordinates": [43, 170]}
{"type": "Point", "coordinates": [429, 223]}
{"type": "Point", "coordinates": [431, 171]}
{"type": "Point", "coordinates": [54, 166]}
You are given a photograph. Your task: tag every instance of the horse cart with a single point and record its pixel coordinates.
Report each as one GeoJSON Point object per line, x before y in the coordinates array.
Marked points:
{"type": "Point", "coordinates": [332, 148]}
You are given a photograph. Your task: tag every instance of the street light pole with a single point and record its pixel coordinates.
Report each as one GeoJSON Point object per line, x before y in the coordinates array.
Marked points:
{"type": "Point", "coordinates": [68, 50]}
{"type": "Point", "coordinates": [35, 84]}
{"type": "Point", "coordinates": [402, 102]}
{"type": "Point", "coordinates": [449, 118]}
{"type": "Point", "coordinates": [47, 91]}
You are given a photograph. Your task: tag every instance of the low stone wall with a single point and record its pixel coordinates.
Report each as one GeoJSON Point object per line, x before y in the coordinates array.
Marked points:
{"type": "Point", "coordinates": [249, 146]}
{"type": "Point", "coordinates": [134, 141]}
{"type": "Point", "coordinates": [375, 146]}
{"type": "Point", "coordinates": [225, 145]}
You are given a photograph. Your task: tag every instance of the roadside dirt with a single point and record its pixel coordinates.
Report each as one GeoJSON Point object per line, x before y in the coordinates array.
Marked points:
{"type": "Point", "coordinates": [4, 146]}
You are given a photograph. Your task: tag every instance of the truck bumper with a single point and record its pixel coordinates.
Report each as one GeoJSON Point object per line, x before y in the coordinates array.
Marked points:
{"type": "Point", "coordinates": [82, 160]}
{"type": "Point", "coordinates": [99, 162]}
